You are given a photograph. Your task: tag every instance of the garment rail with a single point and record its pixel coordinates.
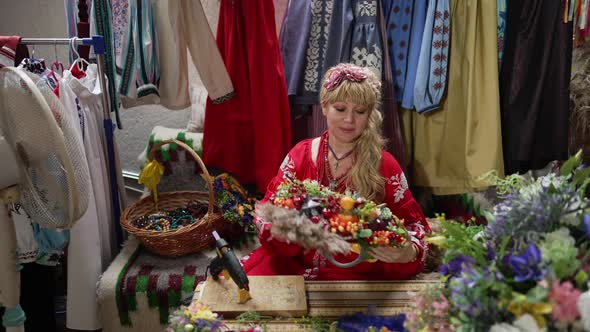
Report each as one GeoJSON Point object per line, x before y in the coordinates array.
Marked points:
{"type": "Point", "coordinates": [115, 173]}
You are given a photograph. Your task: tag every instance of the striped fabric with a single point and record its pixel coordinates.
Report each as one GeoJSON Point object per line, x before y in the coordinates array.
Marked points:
{"type": "Point", "coordinates": [140, 74]}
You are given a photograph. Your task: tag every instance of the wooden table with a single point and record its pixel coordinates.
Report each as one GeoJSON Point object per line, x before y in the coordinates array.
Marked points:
{"type": "Point", "coordinates": [330, 300]}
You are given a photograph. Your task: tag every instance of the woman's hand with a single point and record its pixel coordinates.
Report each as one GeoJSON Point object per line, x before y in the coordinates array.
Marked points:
{"type": "Point", "coordinates": [405, 254]}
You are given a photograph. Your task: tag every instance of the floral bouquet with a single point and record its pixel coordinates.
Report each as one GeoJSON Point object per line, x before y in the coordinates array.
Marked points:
{"type": "Point", "coordinates": [315, 217]}
{"type": "Point", "coordinates": [195, 318]}
{"type": "Point", "coordinates": [526, 270]}
{"type": "Point", "coordinates": [234, 202]}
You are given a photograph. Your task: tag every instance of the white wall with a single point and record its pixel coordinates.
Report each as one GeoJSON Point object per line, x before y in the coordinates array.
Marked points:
{"type": "Point", "coordinates": [35, 18]}
{"type": "Point", "coordinates": [46, 18]}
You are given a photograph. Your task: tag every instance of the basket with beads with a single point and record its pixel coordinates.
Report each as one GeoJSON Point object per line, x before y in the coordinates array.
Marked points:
{"type": "Point", "coordinates": [174, 223]}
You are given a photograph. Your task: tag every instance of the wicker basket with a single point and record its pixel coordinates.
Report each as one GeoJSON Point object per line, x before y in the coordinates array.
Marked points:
{"type": "Point", "coordinates": [188, 239]}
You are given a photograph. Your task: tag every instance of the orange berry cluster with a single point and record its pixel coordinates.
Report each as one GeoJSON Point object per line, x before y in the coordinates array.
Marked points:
{"type": "Point", "coordinates": [384, 238]}
{"type": "Point", "coordinates": [344, 224]}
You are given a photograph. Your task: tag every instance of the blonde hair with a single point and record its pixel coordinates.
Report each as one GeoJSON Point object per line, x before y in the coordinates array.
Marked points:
{"type": "Point", "coordinates": [365, 175]}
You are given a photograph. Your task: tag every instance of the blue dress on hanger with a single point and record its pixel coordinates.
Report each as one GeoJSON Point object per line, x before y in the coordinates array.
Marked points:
{"type": "Point", "coordinates": [418, 21]}
{"type": "Point", "coordinates": [366, 47]}
{"type": "Point", "coordinates": [398, 15]}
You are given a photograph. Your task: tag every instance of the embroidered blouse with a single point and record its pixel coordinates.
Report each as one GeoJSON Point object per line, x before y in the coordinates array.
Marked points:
{"type": "Point", "coordinates": [275, 257]}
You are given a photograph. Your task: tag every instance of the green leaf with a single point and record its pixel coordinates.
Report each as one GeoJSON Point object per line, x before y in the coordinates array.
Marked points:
{"type": "Point", "coordinates": [568, 167]}
{"type": "Point", "coordinates": [581, 278]}
{"type": "Point", "coordinates": [584, 187]}
{"type": "Point", "coordinates": [455, 321]}
{"type": "Point", "coordinates": [537, 295]}
{"type": "Point", "coordinates": [365, 233]}
{"type": "Point", "coordinates": [502, 251]}
{"type": "Point", "coordinates": [580, 176]}
{"type": "Point", "coordinates": [489, 216]}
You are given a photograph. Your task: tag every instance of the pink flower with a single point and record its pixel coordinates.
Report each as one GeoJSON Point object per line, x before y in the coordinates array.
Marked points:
{"type": "Point", "coordinates": [420, 302]}
{"type": "Point", "coordinates": [440, 308]}
{"type": "Point", "coordinates": [565, 299]}
{"type": "Point", "coordinates": [412, 316]}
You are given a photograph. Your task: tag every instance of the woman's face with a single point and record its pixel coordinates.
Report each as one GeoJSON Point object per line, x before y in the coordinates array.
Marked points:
{"type": "Point", "coordinates": [346, 120]}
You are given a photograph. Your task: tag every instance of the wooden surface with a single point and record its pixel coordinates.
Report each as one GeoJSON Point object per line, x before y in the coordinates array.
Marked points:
{"type": "Point", "coordinates": [277, 296]}
{"type": "Point", "coordinates": [331, 300]}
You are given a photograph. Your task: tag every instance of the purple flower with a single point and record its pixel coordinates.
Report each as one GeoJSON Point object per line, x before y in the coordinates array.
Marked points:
{"type": "Point", "coordinates": [491, 253]}
{"type": "Point", "coordinates": [456, 265]}
{"type": "Point", "coordinates": [586, 222]}
{"type": "Point", "coordinates": [527, 266]}
{"type": "Point", "coordinates": [217, 185]}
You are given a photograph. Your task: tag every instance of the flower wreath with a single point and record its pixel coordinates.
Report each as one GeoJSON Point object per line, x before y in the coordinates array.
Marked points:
{"type": "Point", "coordinates": [333, 216]}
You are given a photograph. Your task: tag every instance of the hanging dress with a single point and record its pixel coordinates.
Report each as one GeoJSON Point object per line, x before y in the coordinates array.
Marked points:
{"type": "Point", "coordinates": [391, 118]}
{"type": "Point", "coordinates": [92, 243]}
{"type": "Point", "coordinates": [367, 48]}
{"type": "Point", "coordinates": [294, 38]}
{"type": "Point", "coordinates": [398, 15]}
{"type": "Point", "coordinates": [431, 75]}
{"type": "Point", "coordinates": [534, 85]}
{"type": "Point", "coordinates": [415, 40]}
{"type": "Point", "coordinates": [250, 134]}
{"type": "Point", "coordinates": [454, 146]}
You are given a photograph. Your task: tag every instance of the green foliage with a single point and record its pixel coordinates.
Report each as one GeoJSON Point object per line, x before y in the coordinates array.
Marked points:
{"type": "Point", "coordinates": [506, 185]}
{"type": "Point", "coordinates": [466, 240]}
{"type": "Point", "coordinates": [317, 324]}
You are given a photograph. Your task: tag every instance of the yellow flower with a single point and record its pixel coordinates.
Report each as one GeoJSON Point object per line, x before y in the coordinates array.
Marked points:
{"type": "Point", "coordinates": [519, 306]}
{"type": "Point", "coordinates": [437, 240]}
{"type": "Point", "coordinates": [150, 177]}
{"type": "Point", "coordinates": [241, 210]}
{"type": "Point", "coordinates": [204, 314]}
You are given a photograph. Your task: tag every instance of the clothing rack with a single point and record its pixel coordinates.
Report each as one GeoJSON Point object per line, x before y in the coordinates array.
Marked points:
{"type": "Point", "coordinates": [97, 42]}
{"type": "Point", "coordinates": [115, 173]}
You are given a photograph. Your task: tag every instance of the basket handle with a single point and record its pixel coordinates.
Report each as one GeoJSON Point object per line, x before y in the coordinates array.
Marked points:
{"type": "Point", "coordinates": [196, 157]}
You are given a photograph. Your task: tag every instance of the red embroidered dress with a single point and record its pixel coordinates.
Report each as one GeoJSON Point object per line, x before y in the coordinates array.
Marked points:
{"type": "Point", "coordinates": [280, 258]}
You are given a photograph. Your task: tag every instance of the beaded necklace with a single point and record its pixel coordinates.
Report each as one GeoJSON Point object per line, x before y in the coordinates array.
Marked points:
{"type": "Point", "coordinates": [339, 183]}
{"type": "Point", "coordinates": [336, 156]}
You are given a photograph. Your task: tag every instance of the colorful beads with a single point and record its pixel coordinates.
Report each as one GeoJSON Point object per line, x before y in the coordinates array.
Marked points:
{"type": "Point", "coordinates": [171, 220]}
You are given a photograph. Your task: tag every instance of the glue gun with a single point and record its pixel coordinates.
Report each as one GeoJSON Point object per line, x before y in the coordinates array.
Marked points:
{"type": "Point", "coordinates": [227, 262]}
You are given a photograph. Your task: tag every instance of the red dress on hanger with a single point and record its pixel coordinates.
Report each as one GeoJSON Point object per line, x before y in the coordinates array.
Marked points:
{"type": "Point", "coordinates": [249, 134]}
{"type": "Point", "coordinates": [280, 258]}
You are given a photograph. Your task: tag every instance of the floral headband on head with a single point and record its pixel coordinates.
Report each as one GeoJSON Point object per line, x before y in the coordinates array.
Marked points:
{"type": "Point", "coordinates": [344, 72]}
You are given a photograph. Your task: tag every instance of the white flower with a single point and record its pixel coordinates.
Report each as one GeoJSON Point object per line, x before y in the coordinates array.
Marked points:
{"type": "Point", "coordinates": [584, 309]}
{"type": "Point", "coordinates": [504, 327]}
{"type": "Point", "coordinates": [526, 323]}
{"type": "Point", "coordinates": [562, 235]}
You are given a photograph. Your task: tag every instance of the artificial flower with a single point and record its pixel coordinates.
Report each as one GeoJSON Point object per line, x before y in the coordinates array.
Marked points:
{"type": "Point", "coordinates": [472, 296]}
{"type": "Point", "coordinates": [584, 309]}
{"type": "Point", "coordinates": [520, 306]}
{"type": "Point", "coordinates": [440, 307]}
{"type": "Point", "coordinates": [527, 266]}
{"type": "Point", "coordinates": [559, 250]}
{"type": "Point", "coordinates": [565, 299]}
{"type": "Point", "coordinates": [456, 265]}
{"type": "Point", "coordinates": [586, 221]}
{"type": "Point", "coordinates": [525, 323]}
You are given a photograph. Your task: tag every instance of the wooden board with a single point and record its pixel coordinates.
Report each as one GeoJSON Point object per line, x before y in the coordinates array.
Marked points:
{"type": "Point", "coordinates": [332, 299]}
{"type": "Point", "coordinates": [279, 296]}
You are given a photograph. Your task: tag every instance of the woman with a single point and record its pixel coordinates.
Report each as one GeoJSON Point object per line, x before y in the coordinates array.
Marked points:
{"type": "Point", "coordinates": [348, 155]}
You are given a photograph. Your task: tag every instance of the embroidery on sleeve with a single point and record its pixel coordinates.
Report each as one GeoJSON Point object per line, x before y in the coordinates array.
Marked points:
{"type": "Point", "coordinates": [399, 181]}
{"type": "Point", "coordinates": [288, 168]}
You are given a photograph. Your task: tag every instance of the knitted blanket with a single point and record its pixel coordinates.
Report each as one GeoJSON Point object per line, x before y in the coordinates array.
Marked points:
{"type": "Point", "coordinates": [164, 281]}
{"type": "Point", "coordinates": [136, 275]}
